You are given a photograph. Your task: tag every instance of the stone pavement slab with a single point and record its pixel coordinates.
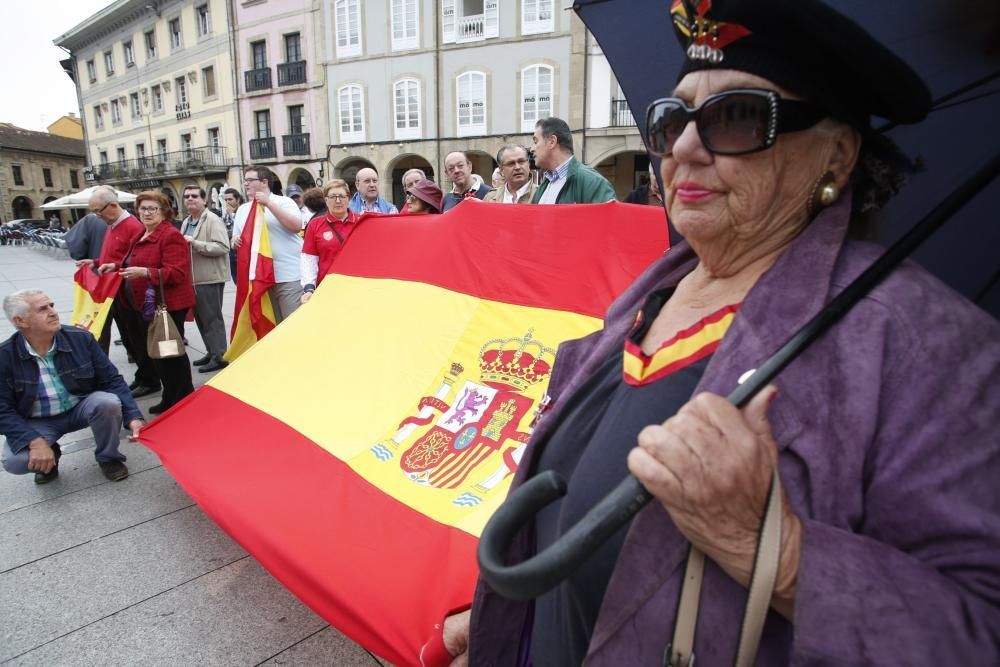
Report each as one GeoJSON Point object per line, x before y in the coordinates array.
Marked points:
{"type": "Point", "coordinates": [133, 573]}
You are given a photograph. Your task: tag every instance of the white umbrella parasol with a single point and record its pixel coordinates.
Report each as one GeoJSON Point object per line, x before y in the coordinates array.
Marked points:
{"type": "Point", "coordinates": [82, 198]}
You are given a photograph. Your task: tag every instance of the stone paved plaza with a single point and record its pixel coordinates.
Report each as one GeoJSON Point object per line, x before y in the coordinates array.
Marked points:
{"type": "Point", "coordinates": [133, 573]}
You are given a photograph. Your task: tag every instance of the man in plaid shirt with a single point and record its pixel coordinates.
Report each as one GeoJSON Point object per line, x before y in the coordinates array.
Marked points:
{"type": "Point", "coordinates": [54, 380]}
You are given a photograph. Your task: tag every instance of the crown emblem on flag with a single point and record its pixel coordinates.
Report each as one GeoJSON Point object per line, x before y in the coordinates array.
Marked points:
{"type": "Point", "coordinates": [705, 38]}
{"type": "Point", "coordinates": [515, 362]}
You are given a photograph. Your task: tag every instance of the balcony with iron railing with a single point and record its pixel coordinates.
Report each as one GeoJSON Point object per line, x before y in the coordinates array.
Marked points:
{"type": "Point", "coordinates": [621, 115]}
{"type": "Point", "coordinates": [470, 28]}
{"type": "Point", "coordinates": [258, 79]}
{"type": "Point", "coordinates": [290, 74]}
{"type": "Point", "coordinates": [193, 161]}
{"type": "Point", "coordinates": [295, 144]}
{"type": "Point", "coordinates": [263, 148]}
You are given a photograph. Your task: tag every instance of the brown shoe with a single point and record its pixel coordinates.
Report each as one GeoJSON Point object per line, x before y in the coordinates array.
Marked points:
{"type": "Point", "coordinates": [114, 470]}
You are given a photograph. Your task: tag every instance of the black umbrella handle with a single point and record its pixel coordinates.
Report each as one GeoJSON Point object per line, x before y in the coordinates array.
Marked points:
{"type": "Point", "coordinates": [547, 569]}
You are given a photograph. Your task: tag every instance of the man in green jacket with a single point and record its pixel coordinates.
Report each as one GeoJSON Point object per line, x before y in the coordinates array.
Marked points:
{"type": "Point", "coordinates": [566, 180]}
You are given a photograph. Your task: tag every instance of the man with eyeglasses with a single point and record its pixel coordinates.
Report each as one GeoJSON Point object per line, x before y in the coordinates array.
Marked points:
{"type": "Point", "coordinates": [567, 180]}
{"type": "Point", "coordinates": [463, 186]}
{"type": "Point", "coordinates": [122, 231]}
{"type": "Point", "coordinates": [206, 236]}
{"type": "Point", "coordinates": [284, 227]}
{"type": "Point", "coordinates": [518, 187]}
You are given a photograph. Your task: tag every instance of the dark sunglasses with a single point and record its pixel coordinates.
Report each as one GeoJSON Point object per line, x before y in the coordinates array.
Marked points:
{"type": "Point", "coordinates": [734, 122]}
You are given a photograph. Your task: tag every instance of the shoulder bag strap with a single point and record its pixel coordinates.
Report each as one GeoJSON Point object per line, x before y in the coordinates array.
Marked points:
{"type": "Point", "coordinates": [159, 280]}
{"type": "Point", "coordinates": [680, 651]}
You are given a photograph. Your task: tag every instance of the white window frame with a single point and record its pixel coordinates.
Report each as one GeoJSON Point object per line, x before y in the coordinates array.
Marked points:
{"type": "Point", "coordinates": [128, 48]}
{"type": "Point", "coordinates": [411, 112]}
{"type": "Point", "coordinates": [356, 132]}
{"type": "Point", "coordinates": [149, 41]}
{"type": "Point", "coordinates": [470, 128]}
{"type": "Point", "coordinates": [342, 10]}
{"type": "Point", "coordinates": [405, 40]}
{"type": "Point", "coordinates": [176, 38]}
{"type": "Point", "coordinates": [531, 24]}
{"type": "Point", "coordinates": [116, 112]}
{"type": "Point", "coordinates": [92, 71]}
{"type": "Point", "coordinates": [528, 120]}
{"type": "Point", "coordinates": [202, 20]}
{"type": "Point", "coordinates": [98, 117]}
{"type": "Point", "coordinates": [135, 106]}
{"type": "Point", "coordinates": [109, 63]}
{"type": "Point", "coordinates": [156, 93]}
{"type": "Point", "coordinates": [452, 15]}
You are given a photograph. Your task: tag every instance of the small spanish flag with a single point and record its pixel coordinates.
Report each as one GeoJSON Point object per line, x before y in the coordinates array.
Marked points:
{"type": "Point", "coordinates": [368, 439]}
{"type": "Point", "coordinates": [93, 295]}
{"type": "Point", "coordinates": [254, 317]}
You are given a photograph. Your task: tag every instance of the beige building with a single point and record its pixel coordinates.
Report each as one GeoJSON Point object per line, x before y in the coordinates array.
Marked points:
{"type": "Point", "coordinates": [155, 81]}
{"type": "Point", "coordinates": [35, 168]}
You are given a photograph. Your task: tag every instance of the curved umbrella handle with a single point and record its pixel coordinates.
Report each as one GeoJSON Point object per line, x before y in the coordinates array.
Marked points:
{"type": "Point", "coordinates": [547, 569]}
{"type": "Point", "coordinates": [537, 575]}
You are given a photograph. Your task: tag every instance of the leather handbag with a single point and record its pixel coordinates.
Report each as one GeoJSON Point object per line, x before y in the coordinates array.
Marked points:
{"type": "Point", "coordinates": [163, 340]}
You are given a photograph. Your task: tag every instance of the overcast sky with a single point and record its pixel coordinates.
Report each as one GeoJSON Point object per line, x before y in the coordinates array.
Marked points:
{"type": "Point", "coordinates": [35, 90]}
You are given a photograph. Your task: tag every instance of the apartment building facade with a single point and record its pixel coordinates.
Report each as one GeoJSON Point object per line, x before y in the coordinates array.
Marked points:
{"type": "Point", "coordinates": [35, 168]}
{"type": "Point", "coordinates": [155, 81]}
{"type": "Point", "coordinates": [282, 103]}
{"type": "Point", "coordinates": [409, 81]}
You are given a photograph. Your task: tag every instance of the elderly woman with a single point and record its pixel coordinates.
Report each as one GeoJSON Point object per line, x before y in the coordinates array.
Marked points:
{"type": "Point", "coordinates": [883, 431]}
{"type": "Point", "coordinates": [424, 197]}
{"type": "Point", "coordinates": [159, 258]}
{"type": "Point", "coordinates": [325, 236]}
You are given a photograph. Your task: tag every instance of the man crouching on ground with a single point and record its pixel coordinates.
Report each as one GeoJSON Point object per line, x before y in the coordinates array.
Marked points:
{"type": "Point", "coordinates": [55, 380]}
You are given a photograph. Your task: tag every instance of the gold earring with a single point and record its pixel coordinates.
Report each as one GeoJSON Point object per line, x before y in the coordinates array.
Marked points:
{"type": "Point", "coordinates": [824, 193]}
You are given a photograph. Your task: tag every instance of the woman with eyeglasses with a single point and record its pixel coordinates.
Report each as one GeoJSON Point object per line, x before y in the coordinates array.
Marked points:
{"type": "Point", "coordinates": [424, 197]}
{"type": "Point", "coordinates": [325, 236]}
{"type": "Point", "coordinates": [883, 432]}
{"type": "Point", "coordinates": [160, 254]}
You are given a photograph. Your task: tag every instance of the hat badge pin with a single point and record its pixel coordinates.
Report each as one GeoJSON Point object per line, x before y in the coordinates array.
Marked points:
{"type": "Point", "coordinates": [706, 38]}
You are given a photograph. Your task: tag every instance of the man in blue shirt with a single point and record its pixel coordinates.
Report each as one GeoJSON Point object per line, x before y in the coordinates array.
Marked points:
{"type": "Point", "coordinates": [55, 380]}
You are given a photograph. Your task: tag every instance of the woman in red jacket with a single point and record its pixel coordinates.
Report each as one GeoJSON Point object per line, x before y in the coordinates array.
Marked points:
{"type": "Point", "coordinates": [161, 253]}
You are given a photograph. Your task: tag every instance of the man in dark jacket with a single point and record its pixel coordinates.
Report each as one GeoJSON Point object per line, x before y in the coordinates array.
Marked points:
{"type": "Point", "coordinates": [459, 169]}
{"type": "Point", "coordinates": [55, 380]}
{"type": "Point", "coordinates": [566, 180]}
{"type": "Point", "coordinates": [85, 238]}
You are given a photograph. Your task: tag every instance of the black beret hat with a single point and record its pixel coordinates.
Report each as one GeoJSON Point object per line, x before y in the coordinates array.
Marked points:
{"type": "Point", "coordinates": [806, 47]}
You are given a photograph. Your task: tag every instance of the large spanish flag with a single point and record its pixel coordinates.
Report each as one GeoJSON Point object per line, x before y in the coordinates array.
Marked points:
{"type": "Point", "coordinates": [358, 450]}
{"type": "Point", "coordinates": [93, 295]}
{"type": "Point", "coordinates": [254, 316]}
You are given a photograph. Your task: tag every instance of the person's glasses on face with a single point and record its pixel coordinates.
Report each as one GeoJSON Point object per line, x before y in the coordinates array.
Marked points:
{"type": "Point", "coordinates": [337, 197]}
{"type": "Point", "coordinates": [148, 209]}
{"type": "Point", "coordinates": [510, 164]}
{"type": "Point", "coordinates": [248, 180]}
{"type": "Point", "coordinates": [98, 211]}
{"type": "Point", "coordinates": [734, 122]}
{"type": "Point", "coordinates": [192, 196]}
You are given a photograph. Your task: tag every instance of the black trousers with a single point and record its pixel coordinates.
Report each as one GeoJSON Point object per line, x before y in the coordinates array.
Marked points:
{"type": "Point", "coordinates": [174, 373]}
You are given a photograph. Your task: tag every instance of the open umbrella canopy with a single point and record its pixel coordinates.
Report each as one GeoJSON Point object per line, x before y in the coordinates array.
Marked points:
{"type": "Point", "coordinates": [81, 198]}
{"type": "Point", "coordinates": [949, 44]}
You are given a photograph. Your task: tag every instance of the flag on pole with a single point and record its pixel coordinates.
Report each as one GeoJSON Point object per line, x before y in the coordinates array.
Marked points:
{"type": "Point", "coordinates": [254, 317]}
{"type": "Point", "coordinates": [358, 450]}
{"type": "Point", "coordinates": [93, 295]}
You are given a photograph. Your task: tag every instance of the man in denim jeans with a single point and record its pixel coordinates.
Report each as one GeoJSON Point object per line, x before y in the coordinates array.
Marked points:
{"type": "Point", "coordinates": [55, 380]}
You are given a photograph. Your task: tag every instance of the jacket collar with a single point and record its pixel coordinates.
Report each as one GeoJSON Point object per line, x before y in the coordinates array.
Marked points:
{"type": "Point", "coordinates": [60, 341]}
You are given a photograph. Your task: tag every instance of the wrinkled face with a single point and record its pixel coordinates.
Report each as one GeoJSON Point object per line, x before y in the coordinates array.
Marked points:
{"type": "Point", "coordinates": [544, 148]}
{"type": "Point", "coordinates": [515, 168]}
{"type": "Point", "coordinates": [739, 202]}
{"type": "Point", "coordinates": [41, 317]}
{"type": "Point", "coordinates": [367, 184]}
{"type": "Point", "coordinates": [150, 213]}
{"type": "Point", "coordinates": [106, 211]}
{"type": "Point", "coordinates": [410, 180]}
{"type": "Point", "coordinates": [252, 184]}
{"type": "Point", "coordinates": [194, 203]}
{"type": "Point", "coordinates": [336, 202]}
{"type": "Point", "coordinates": [459, 171]}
